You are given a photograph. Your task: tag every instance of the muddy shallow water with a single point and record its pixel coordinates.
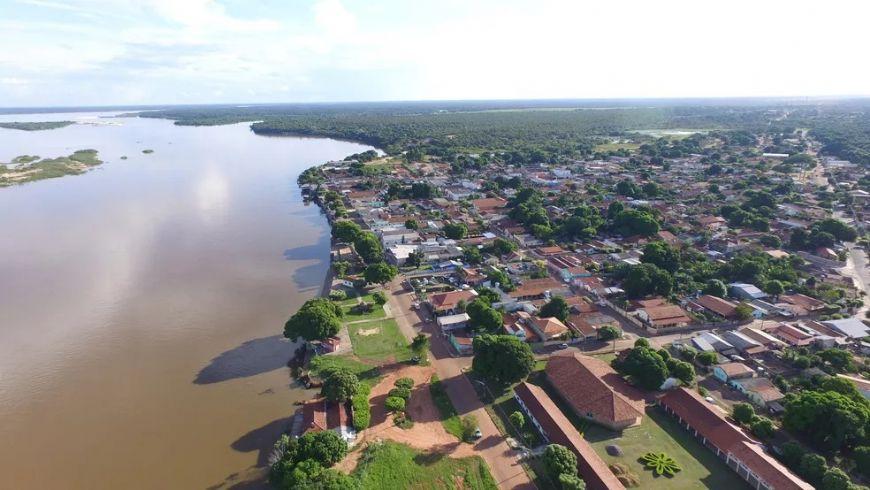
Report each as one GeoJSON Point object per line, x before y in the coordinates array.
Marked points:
{"type": "Point", "coordinates": [141, 304]}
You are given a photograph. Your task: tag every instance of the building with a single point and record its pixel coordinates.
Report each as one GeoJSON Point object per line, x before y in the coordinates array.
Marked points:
{"type": "Point", "coordinates": [743, 455]}
{"type": "Point", "coordinates": [732, 370]}
{"type": "Point", "coordinates": [537, 289]}
{"type": "Point", "coordinates": [462, 342]}
{"type": "Point", "coordinates": [718, 306]}
{"type": "Point", "coordinates": [319, 415]}
{"type": "Point", "coordinates": [761, 391]}
{"type": "Point", "coordinates": [665, 316]}
{"type": "Point", "coordinates": [452, 322]}
{"type": "Point", "coordinates": [548, 328]}
{"type": "Point", "coordinates": [743, 343]}
{"type": "Point", "coordinates": [850, 327]}
{"type": "Point", "coordinates": [555, 427]}
{"type": "Point", "coordinates": [595, 391]}
{"type": "Point", "coordinates": [448, 303]}
{"type": "Point", "coordinates": [745, 291]}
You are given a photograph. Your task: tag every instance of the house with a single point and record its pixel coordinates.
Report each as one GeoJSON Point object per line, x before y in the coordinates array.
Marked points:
{"type": "Point", "coordinates": [548, 328]}
{"type": "Point", "coordinates": [743, 343]}
{"type": "Point", "coordinates": [745, 291]}
{"type": "Point", "coordinates": [555, 428]}
{"type": "Point", "coordinates": [850, 327]}
{"type": "Point", "coordinates": [761, 391]}
{"type": "Point", "coordinates": [732, 370]}
{"type": "Point", "coordinates": [489, 205]}
{"type": "Point", "coordinates": [792, 335]}
{"type": "Point", "coordinates": [718, 306]}
{"type": "Point", "coordinates": [762, 338]}
{"type": "Point", "coordinates": [716, 342]}
{"type": "Point", "coordinates": [396, 237]}
{"type": "Point", "coordinates": [448, 303]}
{"type": "Point", "coordinates": [595, 391]}
{"type": "Point", "coordinates": [537, 289]}
{"type": "Point", "coordinates": [453, 322]}
{"type": "Point", "coordinates": [462, 342]}
{"type": "Point", "coordinates": [743, 455]}
{"type": "Point", "coordinates": [320, 415]}
{"type": "Point", "coordinates": [666, 316]}
{"type": "Point", "coordinates": [398, 254]}
{"type": "Point", "coordinates": [804, 301]}
{"type": "Point", "coordinates": [584, 330]}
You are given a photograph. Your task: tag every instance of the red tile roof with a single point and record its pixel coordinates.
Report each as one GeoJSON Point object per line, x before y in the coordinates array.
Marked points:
{"type": "Point", "coordinates": [559, 430]}
{"type": "Point", "coordinates": [717, 305]}
{"type": "Point", "coordinates": [712, 425]}
{"type": "Point", "coordinates": [449, 300]}
{"type": "Point", "coordinates": [591, 385]}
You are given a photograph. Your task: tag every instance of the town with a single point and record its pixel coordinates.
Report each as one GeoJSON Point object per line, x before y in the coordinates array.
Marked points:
{"type": "Point", "coordinates": [672, 310]}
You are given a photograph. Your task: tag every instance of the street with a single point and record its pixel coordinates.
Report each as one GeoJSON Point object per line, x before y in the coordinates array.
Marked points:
{"type": "Point", "coordinates": [502, 460]}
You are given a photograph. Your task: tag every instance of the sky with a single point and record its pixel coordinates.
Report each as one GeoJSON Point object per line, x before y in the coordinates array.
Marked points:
{"type": "Point", "coordinates": [133, 52]}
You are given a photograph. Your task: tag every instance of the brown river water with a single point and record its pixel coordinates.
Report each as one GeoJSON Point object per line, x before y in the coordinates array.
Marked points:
{"type": "Point", "coordinates": [141, 304]}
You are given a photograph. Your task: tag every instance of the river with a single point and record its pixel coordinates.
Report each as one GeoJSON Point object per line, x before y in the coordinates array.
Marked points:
{"type": "Point", "coordinates": [141, 304]}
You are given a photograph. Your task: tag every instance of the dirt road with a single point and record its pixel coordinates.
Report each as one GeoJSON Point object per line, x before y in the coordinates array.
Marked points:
{"type": "Point", "coordinates": [502, 460]}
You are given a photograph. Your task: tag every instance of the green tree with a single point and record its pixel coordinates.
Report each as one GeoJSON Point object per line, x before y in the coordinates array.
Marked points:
{"type": "Point", "coordinates": [339, 385]}
{"type": "Point", "coordinates": [645, 366]}
{"type": "Point", "coordinates": [742, 412]}
{"type": "Point", "coordinates": [380, 273]}
{"type": "Point", "coordinates": [345, 231]}
{"type": "Point", "coordinates": [836, 479]}
{"type": "Point", "coordinates": [791, 453]}
{"type": "Point", "coordinates": [500, 246]}
{"type": "Point", "coordinates": [646, 279]}
{"type": "Point", "coordinates": [468, 427]}
{"type": "Point", "coordinates": [502, 358]}
{"type": "Point", "coordinates": [559, 460]}
{"type": "Point", "coordinates": [379, 297]}
{"type": "Point", "coordinates": [326, 447]}
{"type": "Point", "coordinates": [813, 468]}
{"type": "Point", "coordinates": [414, 259]}
{"type": "Point", "coordinates": [456, 231]}
{"type": "Point", "coordinates": [774, 287]}
{"type": "Point", "coordinates": [557, 307]}
{"type": "Point", "coordinates": [369, 247]}
{"type": "Point", "coordinates": [861, 454]}
{"type": "Point", "coordinates": [743, 312]}
{"type": "Point", "coordinates": [420, 344]}
{"type": "Point", "coordinates": [317, 319]}
{"type": "Point", "coordinates": [472, 255]}
{"type": "Point", "coordinates": [641, 342]}
{"type": "Point", "coordinates": [412, 224]}
{"type": "Point", "coordinates": [483, 317]}
{"type": "Point", "coordinates": [684, 372]}
{"type": "Point", "coordinates": [340, 268]}
{"type": "Point", "coordinates": [609, 332]}
{"type": "Point", "coordinates": [662, 256]}
{"type": "Point", "coordinates": [762, 427]}
{"type": "Point", "coordinates": [568, 481]}
{"type": "Point", "coordinates": [829, 419]}
{"type": "Point", "coordinates": [707, 358]}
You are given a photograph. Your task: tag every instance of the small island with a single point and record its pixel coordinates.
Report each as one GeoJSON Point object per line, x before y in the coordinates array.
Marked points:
{"type": "Point", "coordinates": [29, 168]}
{"type": "Point", "coordinates": [36, 126]}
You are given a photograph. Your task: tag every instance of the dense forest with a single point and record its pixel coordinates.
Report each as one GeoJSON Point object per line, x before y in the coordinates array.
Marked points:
{"type": "Point", "coordinates": [542, 130]}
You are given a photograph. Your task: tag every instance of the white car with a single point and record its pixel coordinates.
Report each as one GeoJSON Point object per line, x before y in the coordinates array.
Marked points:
{"type": "Point", "coordinates": [710, 399]}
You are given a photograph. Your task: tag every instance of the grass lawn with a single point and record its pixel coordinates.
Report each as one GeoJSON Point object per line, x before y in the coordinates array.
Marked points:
{"type": "Point", "coordinates": [349, 314]}
{"type": "Point", "coordinates": [393, 465]}
{"type": "Point", "coordinates": [660, 433]}
{"type": "Point", "coordinates": [449, 418]}
{"type": "Point", "coordinates": [367, 373]}
{"type": "Point", "coordinates": [379, 340]}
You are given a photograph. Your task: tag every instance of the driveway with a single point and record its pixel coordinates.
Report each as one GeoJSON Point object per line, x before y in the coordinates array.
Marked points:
{"type": "Point", "coordinates": [503, 461]}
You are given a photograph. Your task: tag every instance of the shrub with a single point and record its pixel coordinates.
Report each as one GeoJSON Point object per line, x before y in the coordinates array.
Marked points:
{"type": "Point", "coordinates": [379, 297]}
{"type": "Point", "coordinates": [707, 358]}
{"type": "Point", "coordinates": [404, 383]}
{"type": "Point", "coordinates": [394, 404]}
{"type": "Point", "coordinates": [762, 427]}
{"type": "Point", "coordinates": [403, 393]}
{"type": "Point", "coordinates": [402, 421]}
{"type": "Point", "coordinates": [337, 295]}
{"type": "Point", "coordinates": [362, 413]}
{"type": "Point", "coordinates": [660, 463]}
{"type": "Point", "coordinates": [517, 419]}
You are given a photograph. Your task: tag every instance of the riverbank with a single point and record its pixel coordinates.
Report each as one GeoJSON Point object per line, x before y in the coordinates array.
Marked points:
{"type": "Point", "coordinates": [28, 168]}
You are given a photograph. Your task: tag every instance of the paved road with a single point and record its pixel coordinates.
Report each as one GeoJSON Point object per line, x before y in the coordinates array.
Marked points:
{"type": "Point", "coordinates": [502, 460]}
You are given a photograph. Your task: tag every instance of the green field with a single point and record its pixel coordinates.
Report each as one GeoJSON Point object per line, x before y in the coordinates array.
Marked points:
{"type": "Point", "coordinates": [449, 418]}
{"type": "Point", "coordinates": [379, 340]}
{"type": "Point", "coordinates": [351, 316]}
{"type": "Point", "coordinates": [367, 373]}
{"type": "Point", "coordinates": [392, 465]}
{"type": "Point", "coordinates": [660, 433]}
{"type": "Point", "coordinates": [605, 147]}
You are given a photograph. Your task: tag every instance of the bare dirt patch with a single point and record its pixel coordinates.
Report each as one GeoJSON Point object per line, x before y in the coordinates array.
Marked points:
{"type": "Point", "coordinates": [426, 434]}
{"type": "Point", "coordinates": [369, 331]}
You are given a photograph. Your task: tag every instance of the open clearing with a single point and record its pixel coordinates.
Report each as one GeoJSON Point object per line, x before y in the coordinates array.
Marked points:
{"type": "Point", "coordinates": [379, 340]}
